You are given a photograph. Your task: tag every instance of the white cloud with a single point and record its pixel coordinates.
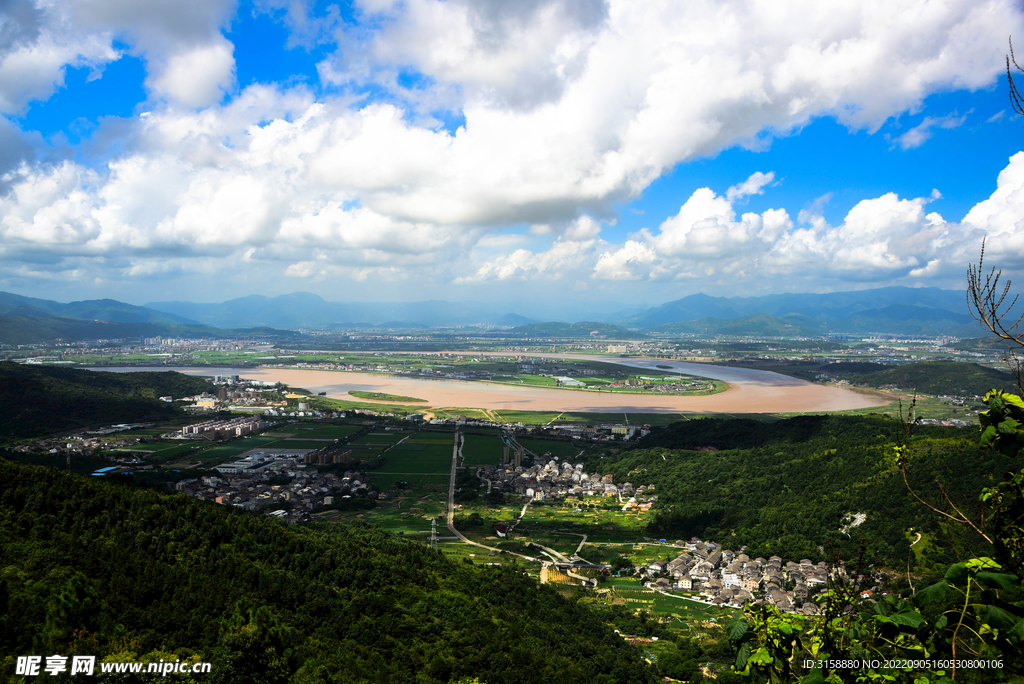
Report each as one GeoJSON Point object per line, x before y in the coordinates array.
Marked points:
{"type": "Point", "coordinates": [752, 186]}
{"type": "Point", "coordinates": [570, 107]}
{"type": "Point", "coordinates": [920, 133]}
{"type": "Point", "coordinates": [197, 77]}
{"type": "Point", "coordinates": [629, 262]}
{"type": "Point", "coordinates": [189, 61]}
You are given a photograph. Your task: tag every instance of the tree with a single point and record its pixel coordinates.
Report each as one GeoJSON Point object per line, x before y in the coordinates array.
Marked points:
{"type": "Point", "coordinates": [974, 614]}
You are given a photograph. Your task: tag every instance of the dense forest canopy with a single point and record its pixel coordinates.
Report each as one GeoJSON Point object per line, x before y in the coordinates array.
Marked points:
{"type": "Point", "coordinates": [40, 400]}
{"type": "Point", "coordinates": [99, 568]}
{"type": "Point", "coordinates": [788, 488]}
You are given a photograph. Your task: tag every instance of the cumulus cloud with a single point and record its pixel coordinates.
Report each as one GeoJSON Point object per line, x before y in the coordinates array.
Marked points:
{"type": "Point", "coordinates": [569, 107]}
{"type": "Point", "coordinates": [883, 239]}
{"type": "Point", "coordinates": [189, 61]}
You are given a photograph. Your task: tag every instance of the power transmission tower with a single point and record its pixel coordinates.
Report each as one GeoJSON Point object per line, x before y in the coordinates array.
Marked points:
{"type": "Point", "coordinates": [433, 534]}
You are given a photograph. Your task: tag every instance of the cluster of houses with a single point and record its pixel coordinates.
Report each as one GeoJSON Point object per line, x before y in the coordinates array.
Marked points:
{"type": "Point", "coordinates": [728, 578]}
{"type": "Point", "coordinates": [85, 443]}
{"type": "Point", "coordinates": [223, 429]}
{"type": "Point", "coordinates": [550, 478]}
{"type": "Point", "coordinates": [306, 492]}
{"type": "Point", "coordinates": [606, 432]}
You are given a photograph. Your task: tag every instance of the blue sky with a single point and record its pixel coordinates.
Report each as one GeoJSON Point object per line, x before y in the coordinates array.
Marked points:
{"type": "Point", "coordinates": [605, 152]}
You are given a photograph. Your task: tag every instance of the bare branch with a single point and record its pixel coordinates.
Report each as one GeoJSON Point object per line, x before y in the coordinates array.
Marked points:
{"type": "Point", "coordinates": [1016, 100]}
{"type": "Point", "coordinates": [987, 302]}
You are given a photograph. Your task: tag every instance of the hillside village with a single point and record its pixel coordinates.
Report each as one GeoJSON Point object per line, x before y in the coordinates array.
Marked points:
{"type": "Point", "coordinates": [293, 500]}
{"type": "Point", "coordinates": [550, 478]}
{"type": "Point", "coordinates": [727, 578]}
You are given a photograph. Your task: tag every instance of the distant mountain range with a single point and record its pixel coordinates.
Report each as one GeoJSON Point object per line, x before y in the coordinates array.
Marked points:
{"type": "Point", "coordinates": [893, 310]}
{"type": "Point", "coordinates": [28, 320]}
{"type": "Point", "coordinates": [307, 310]}
{"type": "Point", "coordinates": [826, 306]}
{"type": "Point", "coordinates": [105, 310]}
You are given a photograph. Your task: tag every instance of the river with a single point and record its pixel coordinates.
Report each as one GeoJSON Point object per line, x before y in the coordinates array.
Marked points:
{"type": "Point", "coordinates": [750, 391]}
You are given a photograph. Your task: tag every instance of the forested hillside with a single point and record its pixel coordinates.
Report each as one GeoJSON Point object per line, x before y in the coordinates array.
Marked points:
{"type": "Point", "coordinates": [98, 568]}
{"type": "Point", "coordinates": [940, 378]}
{"type": "Point", "coordinates": [786, 488]}
{"type": "Point", "coordinates": [38, 400]}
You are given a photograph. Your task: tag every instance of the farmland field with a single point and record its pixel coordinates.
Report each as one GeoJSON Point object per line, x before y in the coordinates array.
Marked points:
{"type": "Point", "coordinates": [482, 450]}
{"type": "Point", "coordinates": [232, 449]}
{"type": "Point", "coordinates": [300, 444]}
{"type": "Point", "coordinates": [419, 458]}
{"type": "Point", "coordinates": [323, 431]}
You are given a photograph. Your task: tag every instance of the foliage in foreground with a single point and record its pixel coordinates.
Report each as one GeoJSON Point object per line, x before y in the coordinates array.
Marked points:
{"type": "Point", "coordinates": [967, 627]}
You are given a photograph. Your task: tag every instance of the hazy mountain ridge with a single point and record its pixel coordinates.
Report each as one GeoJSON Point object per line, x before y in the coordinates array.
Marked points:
{"type": "Point", "coordinates": [104, 310]}
{"type": "Point", "coordinates": [307, 310]}
{"type": "Point", "coordinates": [892, 310]}
{"type": "Point", "coordinates": [828, 306]}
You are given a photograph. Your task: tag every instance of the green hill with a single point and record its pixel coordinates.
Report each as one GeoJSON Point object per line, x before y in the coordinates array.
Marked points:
{"type": "Point", "coordinates": [32, 329]}
{"type": "Point", "coordinates": [40, 400]}
{"type": "Point", "coordinates": [940, 378]}
{"type": "Point", "coordinates": [99, 568]}
{"type": "Point", "coordinates": [784, 488]}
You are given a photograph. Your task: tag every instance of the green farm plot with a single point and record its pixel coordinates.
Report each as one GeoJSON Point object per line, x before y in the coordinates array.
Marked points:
{"type": "Point", "coordinates": [482, 450]}
{"type": "Point", "coordinates": [167, 453]}
{"type": "Point", "coordinates": [665, 603]}
{"type": "Point", "coordinates": [418, 458]}
{"type": "Point", "coordinates": [366, 453]}
{"type": "Point", "coordinates": [300, 444]}
{"type": "Point", "coordinates": [379, 438]}
{"type": "Point", "coordinates": [323, 431]}
{"type": "Point", "coordinates": [528, 417]}
{"type": "Point", "coordinates": [431, 438]}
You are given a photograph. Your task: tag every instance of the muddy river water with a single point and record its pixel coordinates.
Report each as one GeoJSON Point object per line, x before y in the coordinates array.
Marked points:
{"type": "Point", "coordinates": [750, 391]}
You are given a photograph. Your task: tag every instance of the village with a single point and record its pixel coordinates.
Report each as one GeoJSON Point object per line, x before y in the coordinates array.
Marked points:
{"type": "Point", "coordinates": [719, 576]}
{"type": "Point", "coordinates": [723, 577]}
{"type": "Point", "coordinates": [283, 488]}
{"type": "Point", "coordinates": [550, 478]}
